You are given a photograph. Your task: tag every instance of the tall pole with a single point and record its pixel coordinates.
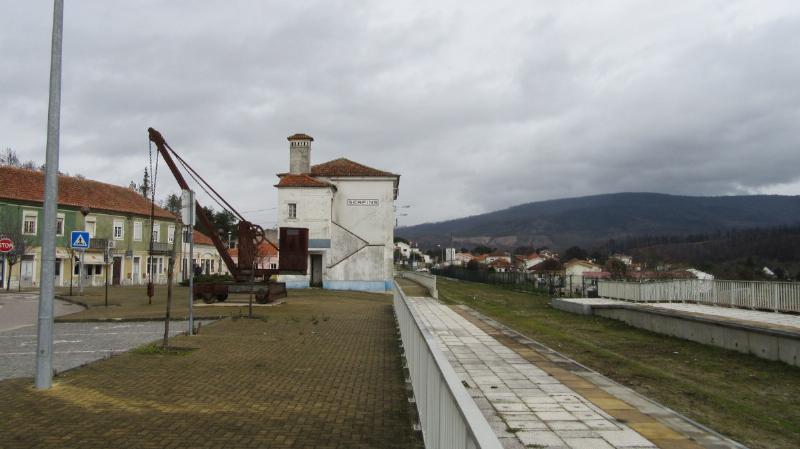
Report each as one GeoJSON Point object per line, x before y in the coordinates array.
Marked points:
{"type": "Point", "coordinates": [44, 345]}
{"type": "Point", "coordinates": [190, 261]}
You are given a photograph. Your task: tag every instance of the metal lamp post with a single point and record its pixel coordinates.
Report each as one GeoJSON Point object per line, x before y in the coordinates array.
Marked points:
{"type": "Point", "coordinates": [44, 344]}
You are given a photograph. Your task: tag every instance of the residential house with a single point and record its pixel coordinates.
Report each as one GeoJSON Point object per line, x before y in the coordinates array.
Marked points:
{"type": "Point", "coordinates": [500, 265]}
{"type": "Point", "coordinates": [624, 258]}
{"type": "Point", "coordinates": [205, 256]}
{"type": "Point", "coordinates": [117, 219]}
{"type": "Point", "coordinates": [462, 259]}
{"type": "Point", "coordinates": [577, 268]}
{"type": "Point", "coordinates": [497, 255]}
{"type": "Point", "coordinates": [266, 255]}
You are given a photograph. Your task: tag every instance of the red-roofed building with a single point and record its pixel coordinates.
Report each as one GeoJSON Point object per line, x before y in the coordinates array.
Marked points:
{"type": "Point", "coordinates": [116, 218]}
{"type": "Point", "coordinates": [348, 209]}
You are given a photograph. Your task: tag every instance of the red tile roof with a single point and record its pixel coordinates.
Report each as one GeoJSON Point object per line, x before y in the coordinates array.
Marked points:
{"type": "Point", "coordinates": [201, 239]}
{"type": "Point", "coordinates": [300, 136]}
{"type": "Point", "coordinates": [28, 185]}
{"type": "Point", "coordinates": [346, 167]}
{"type": "Point", "coordinates": [265, 249]}
{"type": "Point", "coordinates": [301, 180]}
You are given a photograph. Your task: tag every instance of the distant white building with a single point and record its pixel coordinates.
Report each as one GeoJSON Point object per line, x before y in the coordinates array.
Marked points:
{"type": "Point", "coordinates": [577, 268]}
{"type": "Point", "coordinates": [624, 258]}
{"type": "Point", "coordinates": [348, 209]}
{"type": "Point", "coordinates": [701, 274]}
{"type": "Point", "coordinates": [405, 249]}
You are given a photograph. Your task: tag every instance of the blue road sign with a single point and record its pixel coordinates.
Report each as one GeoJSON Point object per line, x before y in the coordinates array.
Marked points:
{"type": "Point", "coordinates": [79, 240]}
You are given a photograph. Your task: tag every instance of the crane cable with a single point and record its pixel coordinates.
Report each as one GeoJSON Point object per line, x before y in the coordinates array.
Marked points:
{"type": "Point", "coordinates": [196, 175]}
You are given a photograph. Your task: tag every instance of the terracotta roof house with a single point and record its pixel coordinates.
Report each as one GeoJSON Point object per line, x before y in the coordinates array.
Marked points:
{"type": "Point", "coordinates": [116, 218]}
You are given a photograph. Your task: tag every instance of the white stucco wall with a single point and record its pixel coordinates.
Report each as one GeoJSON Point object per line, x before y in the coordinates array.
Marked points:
{"type": "Point", "coordinates": [361, 230]}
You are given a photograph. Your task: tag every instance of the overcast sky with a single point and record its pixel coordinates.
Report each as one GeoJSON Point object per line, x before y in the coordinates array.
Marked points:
{"type": "Point", "coordinates": [479, 105]}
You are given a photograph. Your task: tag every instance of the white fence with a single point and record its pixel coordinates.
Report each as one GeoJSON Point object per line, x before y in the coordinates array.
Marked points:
{"type": "Point", "coordinates": [426, 280]}
{"type": "Point", "coordinates": [449, 417]}
{"type": "Point", "coordinates": [777, 296]}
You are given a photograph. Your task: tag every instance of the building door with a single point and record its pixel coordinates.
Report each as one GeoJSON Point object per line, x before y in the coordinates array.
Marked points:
{"type": "Point", "coordinates": [26, 271]}
{"type": "Point", "coordinates": [316, 270]}
{"type": "Point", "coordinates": [117, 276]}
{"type": "Point", "coordinates": [136, 262]}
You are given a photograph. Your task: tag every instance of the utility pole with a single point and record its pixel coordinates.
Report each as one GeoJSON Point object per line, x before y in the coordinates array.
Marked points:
{"type": "Point", "coordinates": [44, 344]}
{"type": "Point", "coordinates": [188, 217]}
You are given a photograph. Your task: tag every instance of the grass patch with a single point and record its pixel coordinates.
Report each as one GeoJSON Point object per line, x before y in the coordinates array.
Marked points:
{"type": "Point", "coordinates": [157, 349]}
{"type": "Point", "coordinates": [747, 398]}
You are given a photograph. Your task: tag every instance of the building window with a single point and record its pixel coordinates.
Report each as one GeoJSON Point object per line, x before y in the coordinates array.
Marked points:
{"type": "Point", "coordinates": [156, 231]}
{"type": "Point", "coordinates": [137, 231]}
{"type": "Point", "coordinates": [273, 266]}
{"type": "Point", "coordinates": [90, 226]}
{"type": "Point", "coordinates": [119, 229]}
{"type": "Point", "coordinates": [160, 264]}
{"type": "Point", "coordinates": [292, 210]}
{"type": "Point", "coordinates": [29, 223]}
{"type": "Point", "coordinates": [171, 234]}
{"type": "Point", "coordinates": [58, 267]}
{"type": "Point", "coordinates": [60, 225]}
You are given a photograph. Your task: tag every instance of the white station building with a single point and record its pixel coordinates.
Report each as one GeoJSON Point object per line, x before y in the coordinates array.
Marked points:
{"type": "Point", "coordinates": [348, 209]}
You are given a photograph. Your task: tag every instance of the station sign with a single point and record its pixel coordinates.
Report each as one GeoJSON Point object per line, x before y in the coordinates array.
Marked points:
{"type": "Point", "coordinates": [363, 202]}
{"type": "Point", "coordinates": [6, 245]}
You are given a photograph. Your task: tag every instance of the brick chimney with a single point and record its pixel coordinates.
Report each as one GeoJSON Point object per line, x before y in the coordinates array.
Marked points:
{"type": "Point", "coordinates": [300, 153]}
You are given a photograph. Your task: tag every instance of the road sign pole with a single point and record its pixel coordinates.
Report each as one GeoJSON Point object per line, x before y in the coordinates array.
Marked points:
{"type": "Point", "coordinates": [80, 274]}
{"type": "Point", "coordinates": [44, 345]}
{"type": "Point", "coordinates": [106, 270]}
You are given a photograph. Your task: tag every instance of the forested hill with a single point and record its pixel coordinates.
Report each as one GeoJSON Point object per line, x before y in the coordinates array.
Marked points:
{"type": "Point", "coordinates": [591, 221]}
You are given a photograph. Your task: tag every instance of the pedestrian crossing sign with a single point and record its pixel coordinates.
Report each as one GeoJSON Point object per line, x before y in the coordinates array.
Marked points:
{"type": "Point", "coordinates": [79, 240]}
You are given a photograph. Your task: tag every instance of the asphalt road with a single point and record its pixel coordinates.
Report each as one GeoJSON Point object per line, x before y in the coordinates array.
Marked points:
{"type": "Point", "coordinates": [21, 309]}
{"type": "Point", "coordinates": [76, 344]}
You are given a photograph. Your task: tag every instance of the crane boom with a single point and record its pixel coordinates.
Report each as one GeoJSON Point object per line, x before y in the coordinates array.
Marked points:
{"type": "Point", "coordinates": [163, 148]}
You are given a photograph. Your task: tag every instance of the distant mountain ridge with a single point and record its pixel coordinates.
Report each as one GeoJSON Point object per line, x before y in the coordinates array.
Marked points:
{"type": "Point", "coordinates": [590, 221]}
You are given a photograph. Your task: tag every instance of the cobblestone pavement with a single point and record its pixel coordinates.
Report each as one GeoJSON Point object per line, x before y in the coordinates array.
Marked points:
{"type": "Point", "coordinates": [753, 317]}
{"type": "Point", "coordinates": [314, 373]}
{"type": "Point", "coordinates": [524, 404]}
{"type": "Point", "coordinates": [76, 344]}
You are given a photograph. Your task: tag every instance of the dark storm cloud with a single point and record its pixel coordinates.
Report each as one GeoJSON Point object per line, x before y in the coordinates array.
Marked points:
{"type": "Point", "coordinates": [479, 105]}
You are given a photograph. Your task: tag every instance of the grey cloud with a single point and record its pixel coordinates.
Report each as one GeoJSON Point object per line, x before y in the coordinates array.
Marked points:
{"type": "Point", "coordinates": [478, 105]}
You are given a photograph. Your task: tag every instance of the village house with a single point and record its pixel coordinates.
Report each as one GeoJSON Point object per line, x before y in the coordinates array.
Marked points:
{"type": "Point", "coordinates": [577, 268]}
{"type": "Point", "coordinates": [266, 256]}
{"type": "Point", "coordinates": [117, 219]}
{"type": "Point", "coordinates": [462, 259]}
{"type": "Point", "coordinates": [205, 256]}
{"type": "Point", "coordinates": [349, 211]}
{"type": "Point", "coordinates": [500, 265]}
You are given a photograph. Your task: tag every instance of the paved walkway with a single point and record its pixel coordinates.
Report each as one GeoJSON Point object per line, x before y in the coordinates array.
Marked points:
{"type": "Point", "coordinates": [534, 397]}
{"type": "Point", "coordinates": [524, 404]}
{"type": "Point", "coordinates": [320, 372]}
{"type": "Point", "coordinates": [752, 317]}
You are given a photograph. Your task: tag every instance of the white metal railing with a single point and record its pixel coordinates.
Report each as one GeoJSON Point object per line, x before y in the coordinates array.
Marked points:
{"type": "Point", "coordinates": [449, 417]}
{"type": "Point", "coordinates": [426, 280]}
{"type": "Point", "coordinates": [764, 295]}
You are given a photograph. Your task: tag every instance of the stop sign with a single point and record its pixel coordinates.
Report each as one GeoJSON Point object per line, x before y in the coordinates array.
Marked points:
{"type": "Point", "coordinates": [6, 245]}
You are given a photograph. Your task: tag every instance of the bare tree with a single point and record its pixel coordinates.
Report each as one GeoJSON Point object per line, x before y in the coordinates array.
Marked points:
{"type": "Point", "coordinates": [9, 157]}
{"type": "Point", "coordinates": [11, 227]}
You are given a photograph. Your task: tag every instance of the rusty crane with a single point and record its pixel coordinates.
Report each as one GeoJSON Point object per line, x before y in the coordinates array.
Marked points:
{"type": "Point", "coordinates": [247, 276]}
